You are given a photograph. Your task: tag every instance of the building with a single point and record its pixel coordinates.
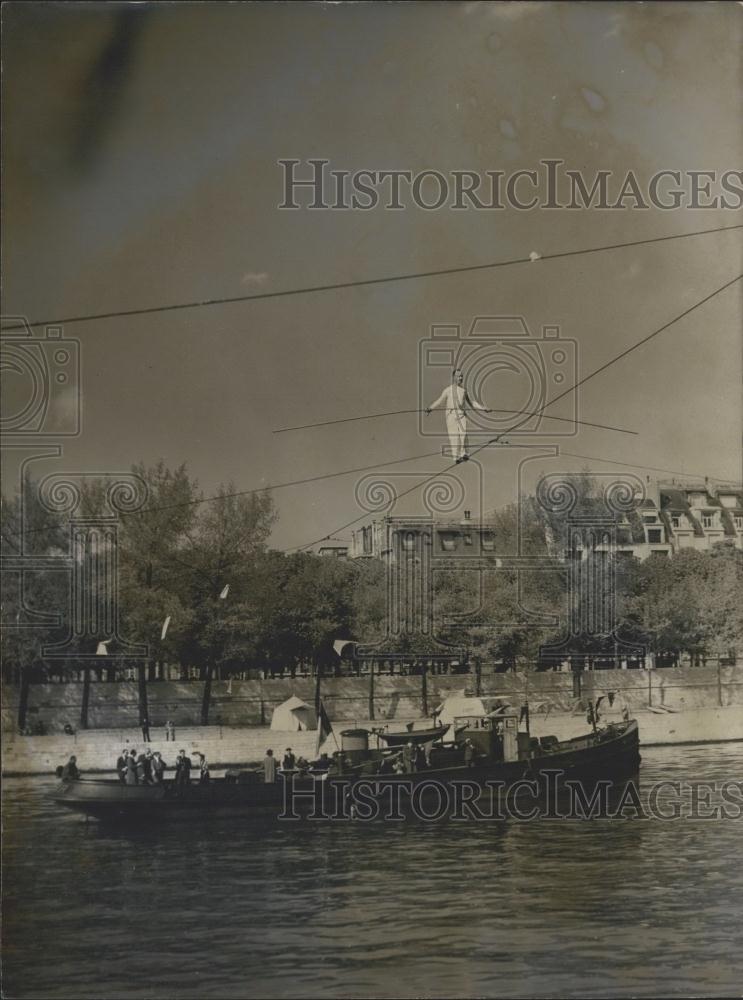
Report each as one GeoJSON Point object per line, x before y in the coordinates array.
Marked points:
{"type": "Point", "coordinates": [672, 516]}
{"type": "Point", "coordinates": [463, 537]}
{"type": "Point", "coordinates": [333, 551]}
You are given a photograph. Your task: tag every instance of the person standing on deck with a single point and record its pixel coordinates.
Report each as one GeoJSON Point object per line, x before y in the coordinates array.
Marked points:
{"type": "Point", "coordinates": [269, 768]}
{"type": "Point", "coordinates": [455, 399]}
{"type": "Point", "coordinates": [183, 769]}
{"type": "Point", "coordinates": [121, 766]}
{"type": "Point", "coordinates": [204, 775]}
{"type": "Point", "coordinates": [158, 768]}
{"type": "Point", "coordinates": [407, 757]}
{"type": "Point", "coordinates": [130, 775]}
{"type": "Point", "coordinates": [70, 771]}
{"type": "Point", "coordinates": [289, 760]}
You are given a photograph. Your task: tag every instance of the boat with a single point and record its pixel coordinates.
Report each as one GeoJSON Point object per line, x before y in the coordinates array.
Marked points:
{"type": "Point", "coordinates": [487, 751]}
{"type": "Point", "coordinates": [414, 736]}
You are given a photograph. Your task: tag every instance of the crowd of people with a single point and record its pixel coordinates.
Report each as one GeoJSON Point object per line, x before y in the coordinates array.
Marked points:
{"type": "Point", "coordinates": [148, 768]}
{"type": "Point", "coordinates": [409, 759]}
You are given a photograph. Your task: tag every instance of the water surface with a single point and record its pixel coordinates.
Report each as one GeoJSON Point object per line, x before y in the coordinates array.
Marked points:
{"type": "Point", "coordinates": [233, 909]}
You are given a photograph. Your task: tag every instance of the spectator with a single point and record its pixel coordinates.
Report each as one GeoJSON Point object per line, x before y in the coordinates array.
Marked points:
{"type": "Point", "coordinates": [183, 768]}
{"type": "Point", "coordinates": [289, 760]}
{"type": "Point", "coordinates": [203, 770]}
{"type": "Point", "coordinates": [130, 775]}
{"type": "Point", "coordinates": [169, 731]}
{"type": "Point", "coordinates": [269, 767]}
{"type": "Point", "coordinates": [70, 771]}
{"type": "Point", "coordinates": [158, 768]}
{"type": "Point", "coordinates": [145, 729]}
{"type": "Point", "coordinates": [121, 765]}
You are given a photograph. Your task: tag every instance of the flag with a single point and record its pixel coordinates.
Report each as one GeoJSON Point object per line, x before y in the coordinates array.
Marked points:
{"type": "Point", "coordinates": [101, 650]}
{"type": "Point", "coordinates": [225, 591]}
{"type": "Point", "coordinates": [324, 727]}
{"type": "Point", "coordinates": [165, 628]}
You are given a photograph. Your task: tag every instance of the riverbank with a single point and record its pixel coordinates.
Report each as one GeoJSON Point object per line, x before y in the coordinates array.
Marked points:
{"type": "Point", "coordinates": [224, 747]}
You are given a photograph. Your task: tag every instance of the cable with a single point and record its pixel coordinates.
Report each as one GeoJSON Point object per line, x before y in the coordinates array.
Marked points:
{"type": "Point", "coordinates": [652, 468]}
{"type": "Point", "coordinates": [242, 493]}
{"type": "Point", "coordinates": [395, 413]}
{"type": "Point", "coordinates": [360, 283]}
{"type": "Point", "coordinates": [601, 368]}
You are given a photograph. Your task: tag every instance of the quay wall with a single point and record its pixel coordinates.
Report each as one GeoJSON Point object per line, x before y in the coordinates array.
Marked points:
{"type": "Point", "coordinates": [97, 749]}
{"type": "Point", "coordinates": [251, 703]}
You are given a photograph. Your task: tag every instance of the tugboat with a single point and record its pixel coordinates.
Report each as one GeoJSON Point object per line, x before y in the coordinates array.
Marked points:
{"type": "Point", "coordinates": [486, 750]}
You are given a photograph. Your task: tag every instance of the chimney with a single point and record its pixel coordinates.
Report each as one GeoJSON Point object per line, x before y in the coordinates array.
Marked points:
{"type": "Point", "coordinates": [467, 515]}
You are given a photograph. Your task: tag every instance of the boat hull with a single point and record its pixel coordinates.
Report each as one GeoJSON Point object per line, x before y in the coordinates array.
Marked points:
{"type": "Point", "coordinates": [613, 755]}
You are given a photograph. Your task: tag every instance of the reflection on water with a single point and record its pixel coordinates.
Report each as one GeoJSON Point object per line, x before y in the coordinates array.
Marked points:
{"type": "Point", "coordinates": [230, 909]}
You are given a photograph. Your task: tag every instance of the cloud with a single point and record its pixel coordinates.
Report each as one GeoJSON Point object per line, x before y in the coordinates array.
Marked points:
{"type": "Point", "coordinates": [254, 278]}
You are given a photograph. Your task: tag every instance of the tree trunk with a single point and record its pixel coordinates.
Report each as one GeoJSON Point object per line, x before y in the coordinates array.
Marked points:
{"type": "Point", "coordinates": [371, 689]}
{"type": "Point", "coordinates": [142, 692]}
{"type": "Point", "coordinates": [207, 695]}
{"type": "Point", "coordinates": [86, 698]}
{"type": "Point", "coordinates": [424, 690]}
{"type": "Point", "coordinates": [23, 697]}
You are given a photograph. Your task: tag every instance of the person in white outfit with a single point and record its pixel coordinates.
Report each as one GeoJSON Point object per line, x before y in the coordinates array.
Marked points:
{"type": "Point", "coordinates": [455, 399]}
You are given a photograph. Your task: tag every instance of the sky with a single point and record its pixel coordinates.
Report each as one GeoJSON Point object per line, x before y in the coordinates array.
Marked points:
{"type": "Point", "coordinates": [140, 169]}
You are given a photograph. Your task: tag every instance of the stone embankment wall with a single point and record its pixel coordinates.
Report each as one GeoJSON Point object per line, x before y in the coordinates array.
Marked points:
{"type": "Point", "coordinates": [251, 703]}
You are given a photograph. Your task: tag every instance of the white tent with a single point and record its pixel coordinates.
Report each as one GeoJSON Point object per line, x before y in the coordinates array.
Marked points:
{"type": "Point", "coordinates": [293, 715]}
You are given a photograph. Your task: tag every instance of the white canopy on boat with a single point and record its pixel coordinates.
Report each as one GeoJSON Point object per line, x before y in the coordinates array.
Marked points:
{"type": "Point", "coordinates": [293, 715]}
{"type": "Point", "coordinates": [459, 704]}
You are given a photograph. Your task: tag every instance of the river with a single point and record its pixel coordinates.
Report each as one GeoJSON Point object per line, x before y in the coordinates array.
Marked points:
{"type": "Point", "coordinates": [600, 908]}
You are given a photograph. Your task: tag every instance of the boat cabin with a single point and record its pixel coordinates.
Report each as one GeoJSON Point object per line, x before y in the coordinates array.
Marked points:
{"type": "Point", "coordinates": [496, 736]}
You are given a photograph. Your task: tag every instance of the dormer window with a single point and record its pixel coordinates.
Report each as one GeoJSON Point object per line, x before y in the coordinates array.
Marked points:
{"type": "Point", "coordinates": [448, 543]}
{"type": "Point", "coordinates": [706, 520]}
{"type": "Point", "coordinates": [676, 521]}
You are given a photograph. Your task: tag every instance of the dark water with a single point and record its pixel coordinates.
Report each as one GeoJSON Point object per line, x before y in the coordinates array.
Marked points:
{"type": "Point", "coordinates": [551, 908]}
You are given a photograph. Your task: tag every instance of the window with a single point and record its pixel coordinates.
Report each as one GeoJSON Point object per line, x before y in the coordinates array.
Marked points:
{"type": "Point", "coordinates": [739, 522]}
{"type": "Point", "coordinates": [675, 521]}
{"type": "Point", "coordinates": [448, 543]}
{"type": "Point", "coordinates": [488, 542]}
{"type": "Point", "coordinates": [655, 536]}
{"type": "Point", "coordinates": [706, 520]}
{"type": "Point", "coordinates": [467, 538]}
{"type": "Point", "coordinates": [366, 536]}
{"type": "Point", "coordinates": [649, 518]}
